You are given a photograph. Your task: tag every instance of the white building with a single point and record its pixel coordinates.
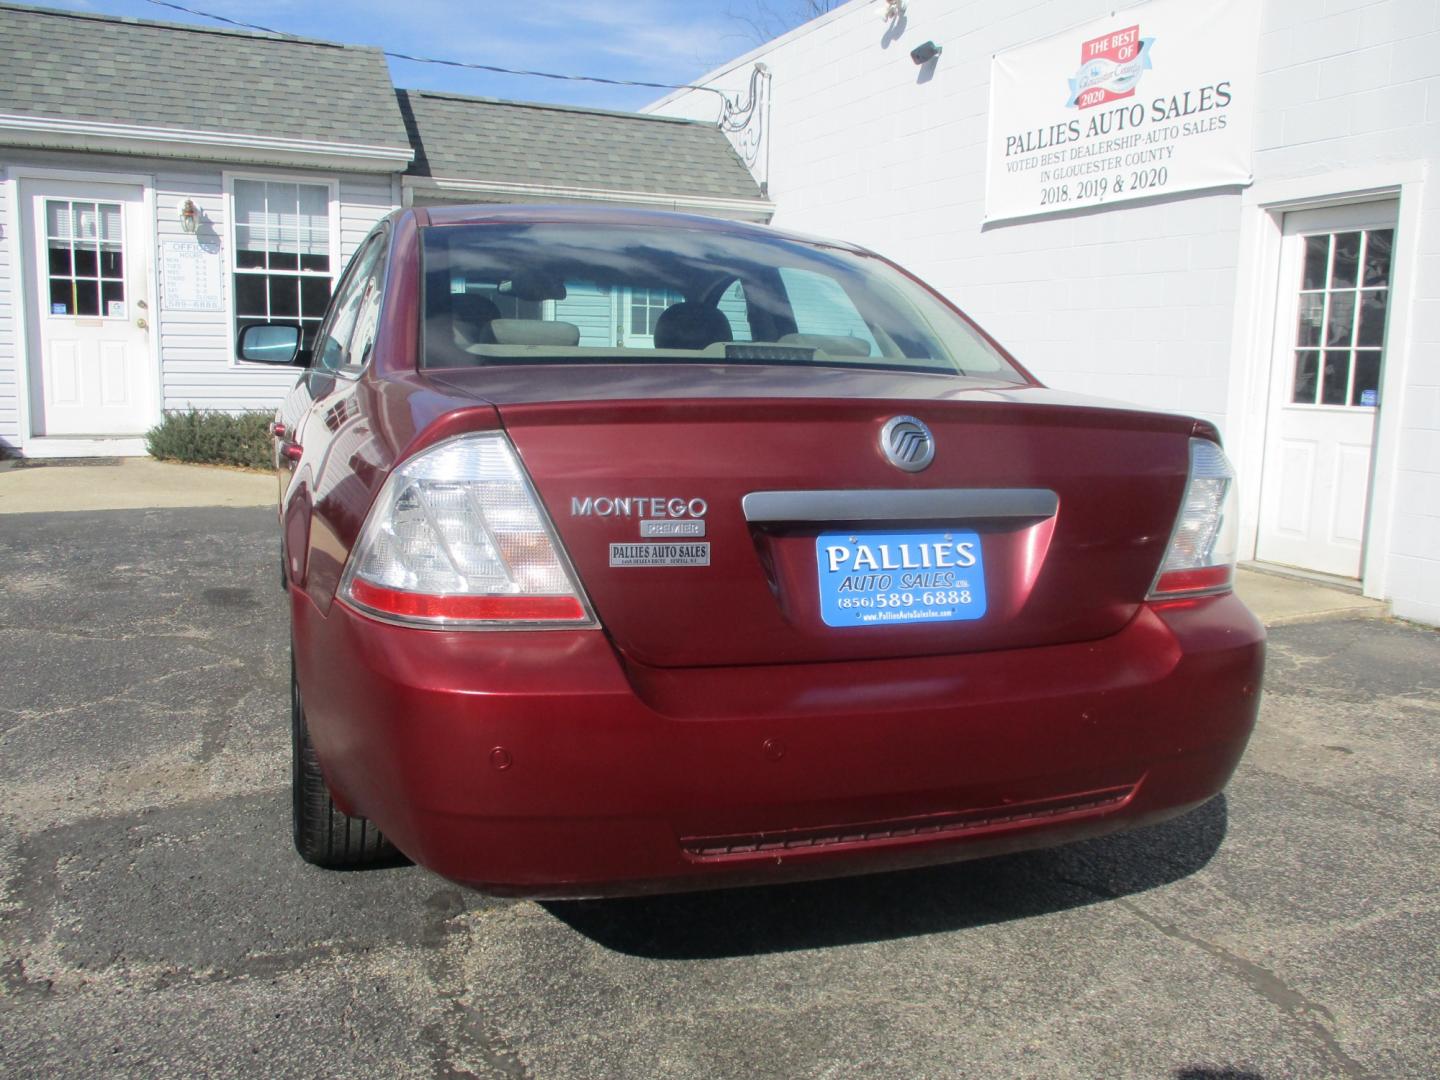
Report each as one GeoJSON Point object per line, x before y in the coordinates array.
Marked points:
{"type": "Point", "coordinates": [1201, 301]}
{"type": "Point", "coordinates": [282, 154]}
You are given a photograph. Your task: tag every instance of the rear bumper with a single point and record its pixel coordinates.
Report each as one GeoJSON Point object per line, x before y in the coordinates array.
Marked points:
{"type": "Point", "coordinates": [540, 764]}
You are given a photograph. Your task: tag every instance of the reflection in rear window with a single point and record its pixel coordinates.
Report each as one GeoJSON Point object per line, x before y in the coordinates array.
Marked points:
{"type": "Point", "coordinates": [578, 293]}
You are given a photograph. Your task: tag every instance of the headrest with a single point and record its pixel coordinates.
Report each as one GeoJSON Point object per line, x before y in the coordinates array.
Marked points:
{"type": "Point", "coordinates": [534, 332]}
{"type": "Point", "coordinates": [689, 325]}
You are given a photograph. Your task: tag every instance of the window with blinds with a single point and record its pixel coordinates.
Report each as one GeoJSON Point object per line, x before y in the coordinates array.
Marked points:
{"type": "Point", "coordinates": [283, 266]}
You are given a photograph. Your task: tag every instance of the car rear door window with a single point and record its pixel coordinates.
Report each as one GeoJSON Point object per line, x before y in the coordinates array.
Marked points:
{"type": "Point", "coordinates": [349, 331]}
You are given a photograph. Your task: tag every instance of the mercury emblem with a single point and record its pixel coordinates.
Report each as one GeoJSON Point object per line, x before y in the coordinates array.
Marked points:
{"type": "Point", "coordinates": [907, 443]}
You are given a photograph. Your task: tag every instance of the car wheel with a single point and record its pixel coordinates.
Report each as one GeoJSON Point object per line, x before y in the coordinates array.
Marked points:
{"type": "Point", "coordinates": [323, 834]}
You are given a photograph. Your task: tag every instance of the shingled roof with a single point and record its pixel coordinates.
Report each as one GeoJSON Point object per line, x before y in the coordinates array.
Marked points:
{"type": "Point", "coordinates": [71, 65]}
{"type": "Point", "coordinates": [515, 142]}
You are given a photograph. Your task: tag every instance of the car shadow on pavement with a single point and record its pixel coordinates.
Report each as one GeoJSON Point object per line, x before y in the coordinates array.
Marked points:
{"type": "Point", "coordinates": [910, 903]}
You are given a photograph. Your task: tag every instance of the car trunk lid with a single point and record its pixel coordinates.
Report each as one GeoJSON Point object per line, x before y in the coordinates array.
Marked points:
{"type": "Point", "coordinates": [1068, 509]}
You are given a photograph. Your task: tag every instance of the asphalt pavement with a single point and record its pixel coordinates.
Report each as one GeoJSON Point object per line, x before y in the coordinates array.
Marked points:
{"type": "Point", "coordinates": [155, 922]}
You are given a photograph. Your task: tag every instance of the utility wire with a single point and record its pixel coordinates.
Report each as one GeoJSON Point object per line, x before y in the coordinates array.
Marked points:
{"type": "Point", "coordinates": [456, 63]}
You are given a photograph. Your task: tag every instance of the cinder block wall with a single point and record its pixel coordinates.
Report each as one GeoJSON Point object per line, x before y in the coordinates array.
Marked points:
{"type": "Point", "coordinates": [1136, 303]}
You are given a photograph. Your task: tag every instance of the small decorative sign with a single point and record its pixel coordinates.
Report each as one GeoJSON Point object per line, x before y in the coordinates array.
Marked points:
{"type": "Point", "coordinates": [192, 276]}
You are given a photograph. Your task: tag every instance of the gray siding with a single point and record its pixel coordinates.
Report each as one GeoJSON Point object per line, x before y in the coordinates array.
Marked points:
{"type": "Point", "coordinates": [197, 366]}
{"type": "Point", "coordinates": [592, 311]}
{"type": "Point", "coordinates": [196, 347]}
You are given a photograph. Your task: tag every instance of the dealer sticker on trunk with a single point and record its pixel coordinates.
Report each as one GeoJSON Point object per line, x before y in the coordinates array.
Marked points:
{"type": "Point", "coordinates": [660, 554]}
{"type": "Point", "coordinates": [888, 578]}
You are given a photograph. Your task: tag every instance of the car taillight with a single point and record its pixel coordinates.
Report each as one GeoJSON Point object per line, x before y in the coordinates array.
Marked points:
{"type": "Point", "coordinates": [1201, 555]}
{"type": "Point", "coordinates": [458, 538]}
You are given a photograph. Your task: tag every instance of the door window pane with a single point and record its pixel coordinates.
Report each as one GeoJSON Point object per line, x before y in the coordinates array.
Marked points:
{"type": "Point", "coordinates": [1377, 256]}
{"type": "Point", "coordinates": [1347, 260]}
{"type": "Point", "coordinates": [112, 262]}
{"type": "Point", "coordinates": [87, 297]}
{"type": "Point", "coordinates": [1366, 387]}
{"type": "Point", "coordinates": [1340, 326]}
{"type": "Point", "coordinates": [112, 298]}
{"type": "Point", "coordinates": [1372, 317]}
{"type": "Point", "coordinates": [1337, 377]}
{"type": "Point", "coordinates": [1317, 257]}
{"type": "Point", "coordinates": [1307, 370]}
{"type": "Point", "coordinates": [1312, 314]}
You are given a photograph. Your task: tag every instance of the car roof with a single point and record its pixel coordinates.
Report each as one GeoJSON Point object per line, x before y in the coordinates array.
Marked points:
{"type": "Point", "coordinates": [513, 214]}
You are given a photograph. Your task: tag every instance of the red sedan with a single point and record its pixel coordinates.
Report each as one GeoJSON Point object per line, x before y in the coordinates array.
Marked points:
{"type": "Point", "coordinates": [630, 552]}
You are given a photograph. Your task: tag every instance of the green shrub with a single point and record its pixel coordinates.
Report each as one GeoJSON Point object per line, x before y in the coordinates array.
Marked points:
{"type": "Point", "coordinates": [213, 438]}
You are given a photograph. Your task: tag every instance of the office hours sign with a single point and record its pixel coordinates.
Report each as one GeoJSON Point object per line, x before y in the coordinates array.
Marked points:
{"type": "Point", "coordinates": [1153, 100]}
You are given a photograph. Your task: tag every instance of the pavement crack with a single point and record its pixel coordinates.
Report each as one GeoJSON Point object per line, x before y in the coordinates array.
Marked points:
{"type": "Point", "coordinates": [1353, 804]}
{"type": "Point", "coordinates": [1311, 1015]}
{"type": "Point", "coordinates": [462, 1032]}
{"type": "Point", "coordinates": [28, 718]}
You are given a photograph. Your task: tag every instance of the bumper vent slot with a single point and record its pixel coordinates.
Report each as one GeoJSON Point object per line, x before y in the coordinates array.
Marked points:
{"type": "Point", "coordinates": [922, 827]}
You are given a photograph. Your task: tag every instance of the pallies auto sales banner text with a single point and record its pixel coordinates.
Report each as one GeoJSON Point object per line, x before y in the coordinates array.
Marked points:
{"type": "Point", "coordinates": [1153, 100]}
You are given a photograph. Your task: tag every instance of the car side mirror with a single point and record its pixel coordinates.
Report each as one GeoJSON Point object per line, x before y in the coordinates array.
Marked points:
{"type": "Point", "coordinates": [270, 343]}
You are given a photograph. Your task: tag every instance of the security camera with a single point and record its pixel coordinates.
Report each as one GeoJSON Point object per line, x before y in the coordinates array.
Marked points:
{"type": "Point", "coordinates": [925, 52]}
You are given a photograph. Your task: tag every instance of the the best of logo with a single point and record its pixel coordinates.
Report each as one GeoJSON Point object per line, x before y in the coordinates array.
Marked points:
{"type": "Point", "coordinates": [1110, 66]}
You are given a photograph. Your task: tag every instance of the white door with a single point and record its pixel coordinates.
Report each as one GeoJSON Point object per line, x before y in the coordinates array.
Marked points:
{"type": "Point", "coordinates": [88, 310]}
{"type": "Point", "coordinates": [1325, 387]}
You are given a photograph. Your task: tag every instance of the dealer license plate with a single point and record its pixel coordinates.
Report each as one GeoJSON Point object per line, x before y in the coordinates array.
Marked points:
{"type": "Point", "coordinates": [889, 578]}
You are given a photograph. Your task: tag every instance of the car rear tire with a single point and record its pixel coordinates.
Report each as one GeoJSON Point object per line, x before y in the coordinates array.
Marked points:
{"type": "Point", "coordinates": [323, 834]}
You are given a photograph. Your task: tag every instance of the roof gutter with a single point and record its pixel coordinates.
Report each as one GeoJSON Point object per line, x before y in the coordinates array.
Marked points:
{"type": "Point", "coordinates": [94, 135]}
{"type": "Point", "coordinates": [507, 191]}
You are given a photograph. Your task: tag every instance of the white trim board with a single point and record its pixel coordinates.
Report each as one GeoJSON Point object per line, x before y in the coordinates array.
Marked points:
{"type": "Point", "coordinates": [92, 135]}
{"type": "Point", "coordinates": [44, 446]}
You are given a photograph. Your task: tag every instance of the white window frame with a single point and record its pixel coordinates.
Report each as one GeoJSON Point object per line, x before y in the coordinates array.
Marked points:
{"type": "Point", "coordinates": [331, 183]}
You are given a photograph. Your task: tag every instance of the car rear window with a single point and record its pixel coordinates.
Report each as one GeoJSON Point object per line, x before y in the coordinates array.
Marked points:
{"type": "Point", "coordinates": [553, 292]}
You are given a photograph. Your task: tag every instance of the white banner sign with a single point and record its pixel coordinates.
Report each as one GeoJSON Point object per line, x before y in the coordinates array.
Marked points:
{"type": "Point", "coordinates": [1154, 100]}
